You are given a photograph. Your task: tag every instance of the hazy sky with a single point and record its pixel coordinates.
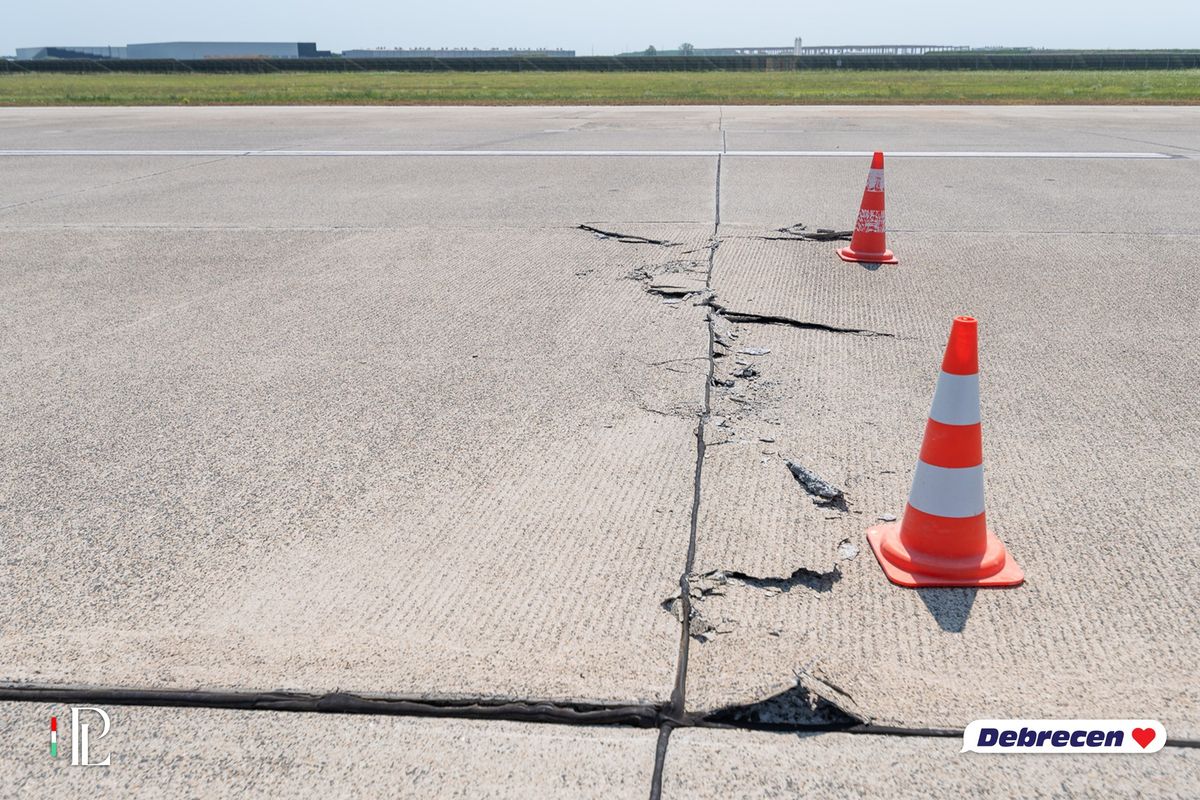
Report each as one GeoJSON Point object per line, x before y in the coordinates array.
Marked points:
{"type": "Point", "coordinates": [604, 27]}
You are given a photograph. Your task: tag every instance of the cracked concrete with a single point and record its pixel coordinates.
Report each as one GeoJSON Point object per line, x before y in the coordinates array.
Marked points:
{"type": "Point", "coordinates": [232, 463]}
{"type": "Point", "coordinates": [1057, 324]}
{"type": "Point", "coordinates": [626, 238]}
{"type": "Point", "coordinates": [799, 232]}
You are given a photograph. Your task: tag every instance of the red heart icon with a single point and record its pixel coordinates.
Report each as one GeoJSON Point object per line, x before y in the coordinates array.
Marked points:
{"type": "Point", "coordinates": [1143, 736]}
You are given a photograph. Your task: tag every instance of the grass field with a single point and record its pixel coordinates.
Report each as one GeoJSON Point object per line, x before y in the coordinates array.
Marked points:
{"type": "Point", "coordinates": [603, 88]}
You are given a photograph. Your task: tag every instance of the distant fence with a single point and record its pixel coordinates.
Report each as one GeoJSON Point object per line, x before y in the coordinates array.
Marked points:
{"type": "Point", "coordinates": [943, 61]}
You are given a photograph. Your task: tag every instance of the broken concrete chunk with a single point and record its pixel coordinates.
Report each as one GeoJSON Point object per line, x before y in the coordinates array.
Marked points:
{"type": "Point", "coordinates": [755, 351]}
{"type": "Point", "coordinates": [824, 494]}
{"type": "Point", "coordinates": [748, 372]}
{"type": "Point", "coordinates": [847, 550]}
{"type": "Point", "coordinates": [887, 517]}
{"type": "Point", "coordinates": [766, 439]}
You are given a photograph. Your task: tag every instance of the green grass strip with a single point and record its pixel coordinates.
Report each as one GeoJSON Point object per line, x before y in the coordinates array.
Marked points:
{"type": "Point", "coordinates": [1133, 87]}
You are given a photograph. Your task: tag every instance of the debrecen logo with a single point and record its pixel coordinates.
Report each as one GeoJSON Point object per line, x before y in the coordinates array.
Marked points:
{"type": "Point", "coordinates": [1064, 736]}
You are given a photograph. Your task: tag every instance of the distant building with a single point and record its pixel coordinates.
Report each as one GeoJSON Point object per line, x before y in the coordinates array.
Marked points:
{"type": "Point", "coordinates": [37, 53]}
{"type": "Point", "coordinates": [187, 51]}
{"type": "Point", "coordinates": [423, 52]}
{"type": "Point", "coordinates": [874, 49]}
{"type": "Point", "coordinates": [797, 49]}
{"type": "Point", "coordinates": [722, 51]}
{"type": "Point", "coordinates": [183, 51]}
{"type": "Point", "coordinates": [742, 51]}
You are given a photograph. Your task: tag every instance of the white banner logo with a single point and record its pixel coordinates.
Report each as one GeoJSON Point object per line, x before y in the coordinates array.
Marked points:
{"type": "Point", "coordinates": [1064, 736]}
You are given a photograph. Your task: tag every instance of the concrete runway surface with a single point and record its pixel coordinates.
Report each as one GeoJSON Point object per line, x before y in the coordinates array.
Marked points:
{"type": "Point", "coordinates": [338, 409]}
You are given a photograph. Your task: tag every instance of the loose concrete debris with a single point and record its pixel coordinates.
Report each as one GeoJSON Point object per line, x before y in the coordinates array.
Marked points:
{"type": "Point", "coordinates": [700, 587]}
{"type": "Point", "coordinates": [887, 517]}
{"type": "Point", "coordinates": [824, 494]}
{"type": "Point", "coordinates": [748, 372]}
{"type": "Point", "coordinates": [627, 238]}
{"type": "Point", "coordinates": [674, 280]}
{"type": "Point", "coordinates": [754, 351]}
{"type": "Point", "coordinates": [704, 587]}
{"type": "Point", "coordinates": [648, 272]}
{"type": "Point", "coordinates": [847, 550]}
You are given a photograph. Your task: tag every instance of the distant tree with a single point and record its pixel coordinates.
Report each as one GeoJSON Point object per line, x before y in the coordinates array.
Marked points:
{"type": "Point", "coordinates": [686, 49]}
{"type": "Point", "coordinates": [650, 51]}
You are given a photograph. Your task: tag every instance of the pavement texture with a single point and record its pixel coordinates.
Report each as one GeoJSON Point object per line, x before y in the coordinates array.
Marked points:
{"type": "Point", "coordinates": [396, 428]}
{"type": "Point", "coordinates": [222, 753]}
{"type": "Point", "coordinates": [755, 764]}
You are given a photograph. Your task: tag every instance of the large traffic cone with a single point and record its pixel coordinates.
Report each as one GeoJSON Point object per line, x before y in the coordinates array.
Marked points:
{"type": "Point", "coordinates": [869, 242]}
{"type": "Point", "coordinates": [943, 539]}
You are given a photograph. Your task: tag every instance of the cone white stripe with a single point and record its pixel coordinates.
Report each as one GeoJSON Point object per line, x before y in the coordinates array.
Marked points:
{"type": "Point", "coordinates": [956, 399]}
{"type": "Point", "coordinates": [946, 491]}
{"type": "Point", "coordinates": [875, 180]}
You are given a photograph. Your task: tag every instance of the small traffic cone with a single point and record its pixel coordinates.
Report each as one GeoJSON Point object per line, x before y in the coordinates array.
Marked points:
{"type": "Point", "coordinates": [869, 242]}
{"type": "Point", "coordinates": [943, 539]}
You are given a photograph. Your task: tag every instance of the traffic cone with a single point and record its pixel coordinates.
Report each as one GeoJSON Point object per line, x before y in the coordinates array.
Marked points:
{"type": "Point", "coordinates": [943, 539]}
{"type": "Point", "coordinates": [869, 242]}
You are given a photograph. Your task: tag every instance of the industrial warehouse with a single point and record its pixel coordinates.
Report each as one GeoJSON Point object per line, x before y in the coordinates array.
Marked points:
{"type": "Point", "coordinates": [186, 51]}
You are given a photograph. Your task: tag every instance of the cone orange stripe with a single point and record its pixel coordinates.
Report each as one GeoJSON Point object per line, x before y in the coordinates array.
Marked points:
{"type": "Point", "coordinates": [953, 537]}
{"type": "Point", "coordinates": [952, 445]}
{"type": "Point", "coordinates": [962, 349]}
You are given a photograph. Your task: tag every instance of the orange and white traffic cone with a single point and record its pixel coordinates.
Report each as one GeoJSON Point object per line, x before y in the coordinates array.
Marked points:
{"type": "Point", "coordinates": [943, 539]}
{"type": "Point", "coordinates": [869, 242]}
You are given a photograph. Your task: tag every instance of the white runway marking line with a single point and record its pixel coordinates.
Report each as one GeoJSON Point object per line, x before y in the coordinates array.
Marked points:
{"type": "Point", "coordinates": [587, 153]}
